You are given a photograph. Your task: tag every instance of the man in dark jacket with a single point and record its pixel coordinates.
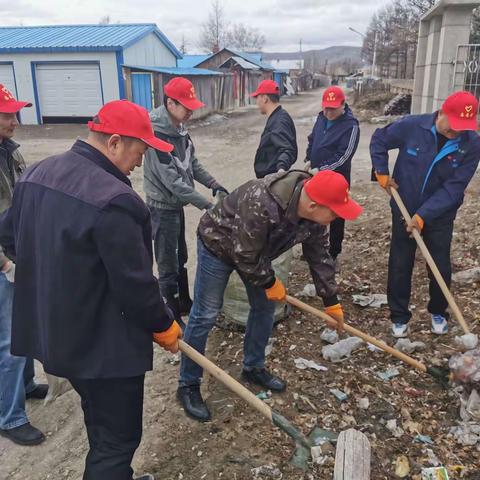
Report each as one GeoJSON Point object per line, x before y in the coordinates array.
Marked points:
{"type": "Point", "coordinates": [244, 232]}
{"type": "Point", "coordinates": [169, 183]}
{"type": "Point", "coordinates": [16, 373]}
{"type": "Point", "coordinates": [331, 146]}
{"type": "Point", "coordinates": [86, 302]}
{"type": "Point", "coordinates": [278, 143]}
{"type": "Point", "coordinates": [438, 155]}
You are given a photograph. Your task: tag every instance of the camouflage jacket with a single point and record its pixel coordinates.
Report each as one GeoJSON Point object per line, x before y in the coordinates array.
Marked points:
{"type": "Point", "coordinates": [258, 222]}
{"type": "Point", "coordinates": [8, 153]}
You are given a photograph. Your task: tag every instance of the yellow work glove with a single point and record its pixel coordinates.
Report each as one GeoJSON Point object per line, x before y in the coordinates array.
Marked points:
{"type": "Point", "coordinates": [276, 292]}
{"type": "Point", "coordinates": [336, 312]}
{"type": "Point", "coordinates": [169, 338]}
{"type": "Point", "coordinates": [385, 181]}
{"type": "Point", "coordinates": [417, 223]}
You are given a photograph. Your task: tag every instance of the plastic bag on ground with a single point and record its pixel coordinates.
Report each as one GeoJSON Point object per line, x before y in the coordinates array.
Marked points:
{"type": "Point", "coordinates": [341, 349]}
{"type": "Point", "coordinates": [465, 367]}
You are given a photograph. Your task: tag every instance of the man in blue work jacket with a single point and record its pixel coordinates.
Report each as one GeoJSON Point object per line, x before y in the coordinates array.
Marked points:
{"type": "Point", "coordinates": [438, 156]}
{"type": "Point", "coordinates": [331, 146]}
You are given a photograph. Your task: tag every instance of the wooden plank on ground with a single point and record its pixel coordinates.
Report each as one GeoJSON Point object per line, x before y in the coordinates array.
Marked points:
{"type": "Point", "coordinates": [352, 459]}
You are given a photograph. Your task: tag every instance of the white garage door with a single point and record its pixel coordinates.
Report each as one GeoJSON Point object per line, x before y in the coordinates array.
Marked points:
{"type": "Point", "coordinates": [69, 90]}
{"type": "Point", "coordinates": [7, 78]}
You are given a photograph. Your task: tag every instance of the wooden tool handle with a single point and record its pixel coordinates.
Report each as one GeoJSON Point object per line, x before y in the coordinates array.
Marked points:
{"type": "Point", "coordinates": [226, 379]}
{"type": "Point", "coordinates": [358, 333]}
{"type": "Point", "coordinates": [431, 263]}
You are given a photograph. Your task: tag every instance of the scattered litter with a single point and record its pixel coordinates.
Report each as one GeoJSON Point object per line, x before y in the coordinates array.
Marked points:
{"type": "Point", "coordinates": [427, 439]}
{"type": "Point", "coordinates": [413, 392]}
{"type": "Point", "coordinates": [432, 458]}
{"type": "Point", "coordinates": [373, 348]}
{"type": "Point", "coordinates": [388, 374]}
{"type": "Point", "coordinates": [466, 342]}
{"type": "Point", "coordinates": [303, 364]}
{"type": "Point", "coordinates": [407, 346]}
{"type": "Point", "coordinates": [394, 429]}
{"type": "Point", "coordinates": [173, 359]}
{"type": "Point", "coordinates": [470, 408]}
{"type": "Point", "coordinates": [329, 335]}
{"type": "Point", "coordinates": [363, 403]}
{"type": "Point", "coordinates": [269, 347]}
{"type": "Point", "coordinates": [436, 473]}
{"type": "Point", "coordinates": [266, 471]}
{"type": "Point", "coordinates": [316, 452]}
{"type": "Point", "coordinates": [264, 395]}
{"type": "Point", "coordinates": [324, 436]}
{"type": "Point", "coordinates": [308, 291]}
{"type": "Point", "coordinates": [402, 466]}
{"type": "Point", "coordinates": [465, 367]}
{"type": "Point", "coordinates": [339, 395]}
{"type": "Point", "coordinates": [375, 300]}
{"type": "Point", "coordinates": [467, 434]}
{"type": "Point", "coordinates": [467, 276]}
{"type": "Point", "coordinates": [341, 349]}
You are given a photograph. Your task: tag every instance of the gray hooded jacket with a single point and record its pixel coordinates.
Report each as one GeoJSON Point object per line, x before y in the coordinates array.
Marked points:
{"type": "Point", "coordinates": [11, 163]}
{"type": "Point", "coordinates": [169, 177]}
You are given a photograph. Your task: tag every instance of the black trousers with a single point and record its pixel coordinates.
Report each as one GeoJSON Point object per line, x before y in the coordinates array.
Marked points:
{"type": "Point", "coordinates": [438, 238]}
{"type": "Point", "coordinates": [113, 411]}
{"type": "Point", "coordinates": [337, 232]}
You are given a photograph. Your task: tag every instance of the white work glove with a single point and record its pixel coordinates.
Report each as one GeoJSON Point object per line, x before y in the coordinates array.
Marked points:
{"type": "Point", "coordinates": [10, 272]}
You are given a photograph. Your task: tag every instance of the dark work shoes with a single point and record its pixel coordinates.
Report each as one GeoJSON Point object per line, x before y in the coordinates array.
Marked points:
{"type": "Point", "coordinates": [39, 393]}
{"type": "Point", "coordinates": [24, 435]}
{"type": "Point", "coordinates": [260, 376]}
{"type": "Point", "coordinates": [192, 402]}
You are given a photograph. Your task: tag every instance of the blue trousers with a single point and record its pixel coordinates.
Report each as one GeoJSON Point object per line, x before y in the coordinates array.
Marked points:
{"type": "Point", "coordinates": [16, 373]}
{"type": "Point", "coordinates": [210, 282]}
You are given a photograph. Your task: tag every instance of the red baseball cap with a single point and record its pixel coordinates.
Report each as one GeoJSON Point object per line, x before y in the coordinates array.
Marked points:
{"type": "Point", "coordinates": [183, 91]}
{"type": "Point", "coordinates": [8, 104]}
{"type": "Point", "coordinates": [266, 87]}
{"type": "Point", "coordinates": [125, 118]}
{"type": "Point", "coordinates": [461, 110]}
{"type": "Point", "coordinates": [330, 189]}
{"type": "Point", "coordinates": [333, 97]}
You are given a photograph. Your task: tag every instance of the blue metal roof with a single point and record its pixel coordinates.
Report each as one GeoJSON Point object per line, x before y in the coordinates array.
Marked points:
{"type": "Point", "coordinates": [189, 61]}
{"type": "Point", "coordinates": [78, 38]}
{"type": "Point", "coordinates": [255, 58]}
{"type": "Point", "coordinates": [175, 71]}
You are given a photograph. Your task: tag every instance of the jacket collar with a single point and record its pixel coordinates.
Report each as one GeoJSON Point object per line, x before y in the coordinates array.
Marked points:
{"type": "Point", "coordinates": [86, 150]}
{"type": "Point", "coordinates": [9, 145]}
{"type": "Point", "coordinates": [428, 123]}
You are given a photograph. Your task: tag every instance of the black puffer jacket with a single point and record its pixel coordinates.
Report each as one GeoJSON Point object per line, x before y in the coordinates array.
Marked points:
{"type": "Point", "coordinates": [278, 144]}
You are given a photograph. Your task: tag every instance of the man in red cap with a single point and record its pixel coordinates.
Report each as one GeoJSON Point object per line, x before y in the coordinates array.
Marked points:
{"type": "Point", "coordinates": [169, 183]}
{"type": "Point", "coordinates": [438, 156]}
{"type": "Point", "coordinates": [278, 143]}
{"type": "Point", "coordinates": [86, 302]}
{"type": "Point", "coordinates": [331, 146]}
{"type": "Point", "coordinates": [16, 373]}
{"type": "Point", "coordinates": [244, 232]}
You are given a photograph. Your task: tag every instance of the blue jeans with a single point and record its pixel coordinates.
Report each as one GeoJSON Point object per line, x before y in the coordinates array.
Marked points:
{"type": "Point", "coordinates": [210, 282]}
{"type": "Point", "coordinates": [16, 373]}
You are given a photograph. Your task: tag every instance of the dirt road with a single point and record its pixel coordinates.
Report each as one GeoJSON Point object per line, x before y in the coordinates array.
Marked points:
{"type": "Point", "coordinates": [237, 439]}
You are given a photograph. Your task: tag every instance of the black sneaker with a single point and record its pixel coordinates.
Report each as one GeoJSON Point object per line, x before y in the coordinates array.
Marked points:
{"type": "Point", "coordinates": [39, 393]}
{"type": "Point", "coordinates": [24, 435]}
{"type": "Point", "coordinates": [260, 376]}
{"type": "Point", "coordinates": [193, 404]}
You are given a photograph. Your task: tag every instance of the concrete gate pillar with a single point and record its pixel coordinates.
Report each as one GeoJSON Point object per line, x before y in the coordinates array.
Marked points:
{"type": "Point", "coordinates": [442, 29]}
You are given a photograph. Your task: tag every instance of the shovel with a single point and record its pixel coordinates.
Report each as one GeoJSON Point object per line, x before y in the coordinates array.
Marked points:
{"type": "Point", "coordinates": [439, 374]}
{"type": "Point", "coordinates": [304, 444]}
{"type": "Point", "coordinates": [431, 263]}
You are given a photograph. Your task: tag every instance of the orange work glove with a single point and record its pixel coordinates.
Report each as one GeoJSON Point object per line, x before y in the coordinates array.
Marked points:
{"type": "Point", "coordinates": [385, 181]}
{"type": "Point", "coordinates": [416, 223]}
{"type": "Point", "coordinates": [336, 312]}
{"type": "Point", "coordinates": [169, 338]}
{"type": "Point", "coordinates": [276, 292]}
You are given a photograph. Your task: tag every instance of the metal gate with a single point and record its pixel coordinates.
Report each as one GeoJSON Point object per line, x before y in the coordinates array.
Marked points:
{"type": "Point", "coordinates": [466, 74]}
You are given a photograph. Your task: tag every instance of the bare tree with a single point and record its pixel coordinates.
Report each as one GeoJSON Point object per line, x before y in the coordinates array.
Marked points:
{"type": "Point", "coordinates": [421, 6]}
{"type": "Point", "coordinates": [183, 46]}
{"type": "Point", "coordinates": [244, 38]}
{"type": "Point", "coordinates": [104, 20]}
{"type": "Point", "coordinates": [214, 31]}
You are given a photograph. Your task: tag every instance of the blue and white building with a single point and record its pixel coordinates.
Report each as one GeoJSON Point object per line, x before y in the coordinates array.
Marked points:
{"type": "Point", "coordinates": [69, 71]}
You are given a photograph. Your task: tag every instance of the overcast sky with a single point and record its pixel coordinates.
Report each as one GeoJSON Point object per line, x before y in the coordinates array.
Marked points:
{"type": "Point", "coordinates": [319, 23]}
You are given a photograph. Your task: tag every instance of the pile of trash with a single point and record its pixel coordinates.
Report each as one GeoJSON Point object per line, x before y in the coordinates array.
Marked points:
{"type": "Point", "coordinates": [399, 105]}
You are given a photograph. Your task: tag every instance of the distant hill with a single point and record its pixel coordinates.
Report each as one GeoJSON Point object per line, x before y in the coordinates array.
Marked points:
{"type": "Point", "coordinates": [333, 54]}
